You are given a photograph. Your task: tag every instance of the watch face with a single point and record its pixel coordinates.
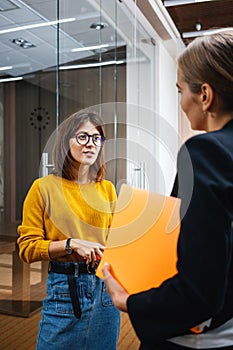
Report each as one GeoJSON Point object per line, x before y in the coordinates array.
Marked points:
{"type": "Point", "coordinates": [69, 251]}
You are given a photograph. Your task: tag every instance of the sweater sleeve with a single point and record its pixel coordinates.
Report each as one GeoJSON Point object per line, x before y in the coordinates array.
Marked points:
{"type": "Point", "coordinates": [112, 197]}
{"type": "Point", "coordinates": [196, 293]}
{"type": "Point", "coordinates": [32, 243]}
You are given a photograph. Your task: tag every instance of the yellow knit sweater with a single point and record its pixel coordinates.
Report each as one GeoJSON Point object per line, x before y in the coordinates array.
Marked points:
{"type": "Point", "coordinates": [56, 208]}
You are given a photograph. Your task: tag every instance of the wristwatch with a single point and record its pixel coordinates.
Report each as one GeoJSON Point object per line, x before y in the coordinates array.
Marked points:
{"type": "Point", "coordinates": [69, 250]}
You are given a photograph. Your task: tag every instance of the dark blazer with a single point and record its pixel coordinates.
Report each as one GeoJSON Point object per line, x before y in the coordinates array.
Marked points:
{"type": "Point", "coordinates": [203, 286]}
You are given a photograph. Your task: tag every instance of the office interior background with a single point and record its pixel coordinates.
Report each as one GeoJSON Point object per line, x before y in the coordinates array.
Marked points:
{"type": "Point", "coordinates": [115, 56]}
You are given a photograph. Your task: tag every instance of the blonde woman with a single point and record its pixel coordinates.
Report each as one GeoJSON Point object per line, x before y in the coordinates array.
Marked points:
{"type": "Point", "coordinates": [194, 309]}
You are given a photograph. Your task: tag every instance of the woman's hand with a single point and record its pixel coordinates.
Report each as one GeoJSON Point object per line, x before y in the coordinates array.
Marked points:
{"type": "Point", "coordinates": [117, 293]}
{"type": "Point", "coordinates": [90, 251]}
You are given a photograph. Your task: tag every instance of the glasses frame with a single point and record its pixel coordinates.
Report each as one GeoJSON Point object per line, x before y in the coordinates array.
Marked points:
{"type": "Point", "coordinates": [103, 138]}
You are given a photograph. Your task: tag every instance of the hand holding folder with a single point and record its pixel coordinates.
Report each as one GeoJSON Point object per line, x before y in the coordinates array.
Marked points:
{"type": "Point", "coordinates": [142, 242]}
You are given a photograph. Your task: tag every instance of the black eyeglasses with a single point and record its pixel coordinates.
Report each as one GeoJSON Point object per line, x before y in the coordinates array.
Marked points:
{"type": "Point", "coordinates": [83, 138]}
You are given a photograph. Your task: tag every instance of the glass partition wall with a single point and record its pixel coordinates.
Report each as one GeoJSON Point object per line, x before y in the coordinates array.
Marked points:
{"type": "Point", "coordinates": [58, 57]}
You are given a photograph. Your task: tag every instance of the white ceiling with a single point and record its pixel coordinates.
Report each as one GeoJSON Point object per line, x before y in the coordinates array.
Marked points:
{"type": "Point", "coordinates": [72, 34]}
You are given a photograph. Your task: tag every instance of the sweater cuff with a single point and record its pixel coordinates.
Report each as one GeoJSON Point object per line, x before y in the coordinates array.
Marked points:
{"type": "Point", "coordinates": [44, 250]}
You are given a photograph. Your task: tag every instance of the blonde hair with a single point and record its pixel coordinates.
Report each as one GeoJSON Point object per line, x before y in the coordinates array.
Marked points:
{"type": "Point", "coordinates": [209, 59]}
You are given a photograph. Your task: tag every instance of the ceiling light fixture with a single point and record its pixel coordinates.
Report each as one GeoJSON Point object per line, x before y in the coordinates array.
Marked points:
{"type": "Point", "coordinates": [194, 34]}
{"type": "Point", "coordinates": [88, 48]}
{"type": "Point", "coordinates": [5, 80]}
{"type": "Point", "coordinates": [6, 68]}
{"type": "Point", "coordinates": [22, 43]}
{"type": "Point", "coordinates": [91, 65]}
{"type": "Point", "coordinates": [98, 26]}
{"type": "Point", "coordinates": [169, 3]}
{"type": "Point", "coordinates": [38, 25]}
{"type": "Point", "coordinates": [198, 26]}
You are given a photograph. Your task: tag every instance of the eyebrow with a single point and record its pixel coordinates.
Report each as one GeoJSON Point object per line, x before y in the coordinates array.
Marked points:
{"type": "Point", "coordinates": [86, 133]}
{"type": "Point", "coordinates": [178, 86]}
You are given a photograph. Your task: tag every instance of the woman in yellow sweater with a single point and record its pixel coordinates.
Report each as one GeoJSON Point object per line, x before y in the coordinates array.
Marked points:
{"type": "Point", "coordinates": [66, 217]}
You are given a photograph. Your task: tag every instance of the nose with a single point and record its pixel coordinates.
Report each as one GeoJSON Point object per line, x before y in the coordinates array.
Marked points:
{"type": "Point", "coordinates": [90, 142]}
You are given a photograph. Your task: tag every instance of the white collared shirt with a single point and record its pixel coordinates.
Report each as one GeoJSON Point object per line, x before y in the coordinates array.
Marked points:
{"type": "Point", "coordinates": [215, 338]}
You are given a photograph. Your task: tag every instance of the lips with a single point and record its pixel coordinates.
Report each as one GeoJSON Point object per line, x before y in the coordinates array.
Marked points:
{"type": "Point", "coordinates": [89, 153]}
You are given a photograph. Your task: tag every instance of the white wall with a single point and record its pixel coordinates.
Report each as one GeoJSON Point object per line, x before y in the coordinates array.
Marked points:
{"type": "Point", "coordinates": [167, 126]}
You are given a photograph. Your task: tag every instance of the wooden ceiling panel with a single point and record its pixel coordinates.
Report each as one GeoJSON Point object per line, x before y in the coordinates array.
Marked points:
{"type": "Point", "coordinates": [210, 14]}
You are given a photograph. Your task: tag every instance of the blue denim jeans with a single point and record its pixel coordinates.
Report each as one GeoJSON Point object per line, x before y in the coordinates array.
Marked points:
{"type": "Point", "coordinates": [59, 329]}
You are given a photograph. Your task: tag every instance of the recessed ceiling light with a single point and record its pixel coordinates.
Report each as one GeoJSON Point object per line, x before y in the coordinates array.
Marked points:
{"type": "Point", "coordinates": [98, 26]}
{"type": "Point", "coordinates": [198, 26]}
{"type": "Point", "coordinates": [22, 43]}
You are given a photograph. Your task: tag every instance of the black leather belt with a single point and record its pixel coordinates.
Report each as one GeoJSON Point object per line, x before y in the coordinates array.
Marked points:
{"type": "Point", "coordinates": [68, 268]}
{"type": "Point", "coordinates": [73, 270]}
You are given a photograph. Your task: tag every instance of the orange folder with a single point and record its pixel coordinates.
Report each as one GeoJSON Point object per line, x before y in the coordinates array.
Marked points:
{"type": "Point", "coordinates": [142, 242]}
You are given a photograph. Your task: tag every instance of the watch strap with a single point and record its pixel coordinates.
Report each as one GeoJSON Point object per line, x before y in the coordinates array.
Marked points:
{"type": "Point", "coordinates": [68, 247]}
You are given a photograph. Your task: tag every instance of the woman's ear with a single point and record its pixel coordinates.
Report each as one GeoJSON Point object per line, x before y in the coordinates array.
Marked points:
{"type": "Point", "coordinates": [206, 96]}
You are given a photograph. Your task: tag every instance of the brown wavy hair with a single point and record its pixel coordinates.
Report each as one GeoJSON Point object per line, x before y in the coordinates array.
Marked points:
{"type": "Point", "coordinates": [64, 164]}
{"type": "Point", "coordinates": [208, 59]}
